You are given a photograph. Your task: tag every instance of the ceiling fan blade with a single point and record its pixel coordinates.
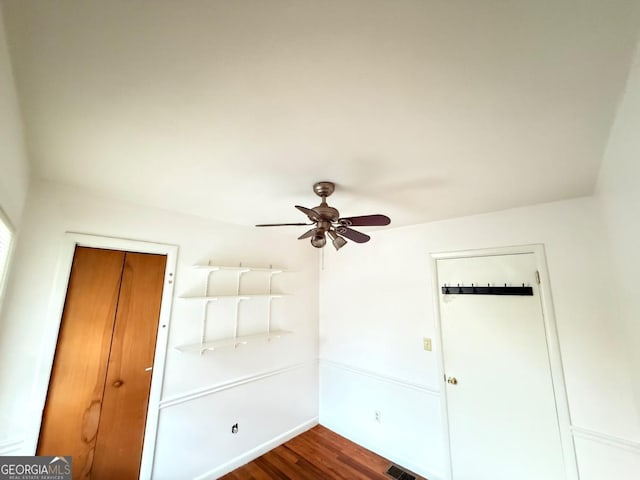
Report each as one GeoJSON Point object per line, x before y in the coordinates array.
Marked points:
{"type": "Point", "coordinates": [357, 237]}
{"type": "Point", "coordinates": [281, 224]}
{"type": "Point", "coordinates": [312, 214]}
{"type": "Point", "coordinates": [365, 221]}
{"type": "Point", "coordinates": [307, 234]}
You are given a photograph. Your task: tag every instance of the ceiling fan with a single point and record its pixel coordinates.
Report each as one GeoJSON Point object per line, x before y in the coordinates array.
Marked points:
{"type": "Point", "coordinates": [328, 222]}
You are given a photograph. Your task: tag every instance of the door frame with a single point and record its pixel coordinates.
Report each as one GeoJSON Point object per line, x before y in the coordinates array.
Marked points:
{"type": "Point", "coordinates": [56, 308]}
{"type": "Point", "coordinates": [553, 348]}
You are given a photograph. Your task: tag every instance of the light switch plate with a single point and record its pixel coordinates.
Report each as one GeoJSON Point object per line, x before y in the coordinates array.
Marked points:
{"type": "Point", "coordinates": [426, 342]}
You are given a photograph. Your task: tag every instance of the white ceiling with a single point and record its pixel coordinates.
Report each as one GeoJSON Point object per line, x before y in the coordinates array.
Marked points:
{"type": "Point", "coordinates": [418, 109]}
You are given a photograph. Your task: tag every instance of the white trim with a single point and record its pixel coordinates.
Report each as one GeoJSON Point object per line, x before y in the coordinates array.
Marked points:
{"type": "Point", "coordinates": [7, 221]}
{"type": "Point", "coordinates": [382, 378]}
{"type": "Point", "coordinates": [437, 344]}
{"type": "Point", "coordinates": [553, 347]}
{"type": "Point", "coordinates": [10, 447]}
{"type": "Point", "coordinates": [12, 243]}
{"type": "Point", "coordinates": [56, 308]}
{"type": "Point", "coordinates": [392, 457]}
{"type": "Point", "coordinates": [366, 442]}
{"type": "Point", "coordinates": [489, 252]}
{"type": "Point", "coordinates": [557, 368]}
{"type": "Point", "coordinates": [210, 390]}
{"type": "Point", "coordinates": [257, 451]}
{"type": "Point", "coordinates": [606, 439]}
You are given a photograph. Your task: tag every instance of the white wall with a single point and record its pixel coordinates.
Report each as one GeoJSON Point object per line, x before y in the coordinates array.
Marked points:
{"type": "Point", "coordinates": [619, 192]}
{"type": "Point", "coordinates": [14, 171]}
{"type": "Point", "coordinates": [194, 431]}
{"type": "Point", "coordinates": [376, 305]}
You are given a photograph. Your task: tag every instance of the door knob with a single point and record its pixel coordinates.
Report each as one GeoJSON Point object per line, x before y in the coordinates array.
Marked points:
{"type": "Point", "coordinates": [452, 380]}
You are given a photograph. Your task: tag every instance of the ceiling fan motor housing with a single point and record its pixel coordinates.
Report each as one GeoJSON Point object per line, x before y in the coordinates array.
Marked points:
{"type": "Point", "coordinates": [324, 211]}
{"type": "Point", "coordinates": [327, 214]}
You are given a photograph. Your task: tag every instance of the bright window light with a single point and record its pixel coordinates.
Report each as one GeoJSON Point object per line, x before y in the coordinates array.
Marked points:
{"type": "Point", "coordinates": [6, 236]}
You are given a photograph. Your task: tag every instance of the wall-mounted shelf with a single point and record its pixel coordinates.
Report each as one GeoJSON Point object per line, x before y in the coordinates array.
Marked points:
{"type": "Point", "coordinates": [232, 342]}
{"type": "Point", "coordinates": [236, 340]}
{"type": "Point", "coordinates": [215, 268]}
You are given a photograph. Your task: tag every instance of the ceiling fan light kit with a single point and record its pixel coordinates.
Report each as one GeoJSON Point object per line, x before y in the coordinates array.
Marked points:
{"type": "Point", "coordinates": [337, 240]}
{"type": "Point", "coordinates": [328, 222]}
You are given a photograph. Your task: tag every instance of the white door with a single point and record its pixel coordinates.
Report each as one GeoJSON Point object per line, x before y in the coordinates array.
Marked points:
{"type": "Point", "coordinates": [502, 416]}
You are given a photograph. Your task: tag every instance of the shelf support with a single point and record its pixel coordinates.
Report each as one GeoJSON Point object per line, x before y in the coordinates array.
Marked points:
{"type": "Point", "coordinates": [238, 300]}
{"type": "Point", "coordinates": [270, 299]}
{"type": "Point", "coordinates": [203, 333]}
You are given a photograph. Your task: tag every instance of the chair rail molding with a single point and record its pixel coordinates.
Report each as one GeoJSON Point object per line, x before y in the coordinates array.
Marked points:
{"type": "Point", "coordinates": [382, 378]}
{"type": "Point", "coordinates": [237, 382]}
{"type": "Point", "coordinates": [606, 438]}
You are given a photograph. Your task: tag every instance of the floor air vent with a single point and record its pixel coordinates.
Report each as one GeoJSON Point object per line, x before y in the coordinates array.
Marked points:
{"type": "Point", "coordinates": [398, 473]}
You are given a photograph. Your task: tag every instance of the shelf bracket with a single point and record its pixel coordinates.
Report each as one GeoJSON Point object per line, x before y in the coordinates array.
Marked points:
{"type": "Point", "coordinates": [270, 299]}
{"type": "Point", "coordinates": [203, 332]}
{"type": "Point", "coordinates": [238, 300]}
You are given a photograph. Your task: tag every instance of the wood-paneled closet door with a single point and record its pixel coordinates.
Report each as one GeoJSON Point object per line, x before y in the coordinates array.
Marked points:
{"type": "Point", "coordinates": [99, 389]}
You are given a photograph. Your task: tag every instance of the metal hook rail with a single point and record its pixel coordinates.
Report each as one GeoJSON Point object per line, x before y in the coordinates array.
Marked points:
{"type": "Point", "coordinates": [488, 290]}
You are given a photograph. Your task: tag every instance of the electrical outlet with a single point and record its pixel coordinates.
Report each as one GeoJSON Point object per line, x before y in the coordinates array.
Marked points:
{"type": "Point", "coordinates": [426, 342]}
{"type": "Point", "coordinates": [377, 415]}
{"type": "Point", "coordinates": [234, 428]}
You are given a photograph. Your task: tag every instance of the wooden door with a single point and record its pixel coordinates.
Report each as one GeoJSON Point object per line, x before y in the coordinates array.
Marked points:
{"type": "Point", "coordinates": [502, 414]}
{"type": "Point", "coordinates": [98, 393]}
{"type": "Point", "coordinates": [126, 392]}
{"type": "Point", "coordinates": [72, 411]}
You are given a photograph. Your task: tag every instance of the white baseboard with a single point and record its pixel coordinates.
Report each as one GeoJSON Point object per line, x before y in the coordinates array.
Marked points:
{"type": "Point", "coordinates": [366, 442]}
{"type": "Point", "coordinates": [10, 447]}
{"type": "Point", "coordinates": [392, 457]}
{"type": "Point", "coordinates": [257, 451]}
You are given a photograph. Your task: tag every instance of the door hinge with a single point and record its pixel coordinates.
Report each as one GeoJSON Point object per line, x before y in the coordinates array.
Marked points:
{"type": "Point", "coordinates": [538, 277]}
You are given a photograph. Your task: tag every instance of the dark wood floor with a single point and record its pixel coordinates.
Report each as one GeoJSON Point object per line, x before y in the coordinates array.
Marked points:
{"type": "Point", "coordinates": [317, 454]}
